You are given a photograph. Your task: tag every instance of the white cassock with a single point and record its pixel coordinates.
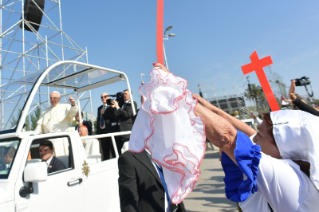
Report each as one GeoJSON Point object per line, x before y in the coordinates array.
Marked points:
{"type": "Point", "coordinates": [57, 119]}
{"type": "Point", "coordinates": [92, 150]}
{"type": "Point", "coordinates": [91, 146]}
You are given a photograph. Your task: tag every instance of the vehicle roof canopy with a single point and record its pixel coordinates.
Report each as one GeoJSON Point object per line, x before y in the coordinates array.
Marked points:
{"type": "Point", "coordinates": [68, 77]}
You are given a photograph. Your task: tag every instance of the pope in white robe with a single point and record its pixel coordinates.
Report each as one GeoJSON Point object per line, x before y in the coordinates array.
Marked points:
{"type": "Point", "coordinates": [57, 118]}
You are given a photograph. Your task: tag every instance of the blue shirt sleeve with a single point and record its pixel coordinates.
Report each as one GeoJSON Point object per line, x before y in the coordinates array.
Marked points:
{"type": "Point", "coordinates": [239, 188]}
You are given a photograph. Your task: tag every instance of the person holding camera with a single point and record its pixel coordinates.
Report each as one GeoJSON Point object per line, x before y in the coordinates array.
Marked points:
{"type": "Point", "coordinates": [106, 124]}
{"type": "Point", "coordinates": [300, 103]}
{"type": "Point", "coordinates": [124, 116]}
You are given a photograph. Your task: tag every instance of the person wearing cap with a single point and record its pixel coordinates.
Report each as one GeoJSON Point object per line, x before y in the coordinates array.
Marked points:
{"type": "Point", "coordinates": [91, 146]}
{"type": "Point", "coordinates": [57, 118]}
{"type": "Point", "coordinates": [279, 167]}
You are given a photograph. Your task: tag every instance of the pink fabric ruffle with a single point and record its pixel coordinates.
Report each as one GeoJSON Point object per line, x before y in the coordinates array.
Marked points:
{"type": "Point", "coordinates": [167, 126]}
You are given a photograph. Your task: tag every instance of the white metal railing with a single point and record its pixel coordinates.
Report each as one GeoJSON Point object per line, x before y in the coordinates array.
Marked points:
{"type": "Point", "coordinates": [112, 135]}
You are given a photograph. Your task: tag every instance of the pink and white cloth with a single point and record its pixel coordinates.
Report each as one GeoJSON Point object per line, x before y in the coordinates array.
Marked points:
{"type": "Point", "coordinates": [167, 127]}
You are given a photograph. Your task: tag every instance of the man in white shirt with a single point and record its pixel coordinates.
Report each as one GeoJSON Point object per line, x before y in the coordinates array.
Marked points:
{"type": "Point", "coordinates": [46, 151]}
{"type": "Point", "coordinates": [57, 118]}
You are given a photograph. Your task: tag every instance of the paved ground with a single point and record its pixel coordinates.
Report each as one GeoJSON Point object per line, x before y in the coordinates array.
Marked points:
{"type": "Point", "coordinates": [209, 194]}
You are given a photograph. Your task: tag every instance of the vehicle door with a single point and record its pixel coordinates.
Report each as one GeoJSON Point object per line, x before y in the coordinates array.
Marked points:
{"type": "Point", "coordinates": [63, 190]}
{"type": "Point", "coordinates": [101, 184]}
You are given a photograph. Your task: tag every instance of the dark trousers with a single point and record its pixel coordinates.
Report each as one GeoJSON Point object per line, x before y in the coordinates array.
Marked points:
{"type": "Point", "coordinates": [107, 148]}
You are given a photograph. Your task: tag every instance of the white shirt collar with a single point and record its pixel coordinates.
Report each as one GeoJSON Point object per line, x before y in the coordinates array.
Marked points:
{"type": "Point", "coordinates": [49, 161]}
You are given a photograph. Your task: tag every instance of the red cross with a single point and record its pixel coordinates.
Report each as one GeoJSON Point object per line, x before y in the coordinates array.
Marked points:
{"type": "Point", "coordinates": [257, 65]}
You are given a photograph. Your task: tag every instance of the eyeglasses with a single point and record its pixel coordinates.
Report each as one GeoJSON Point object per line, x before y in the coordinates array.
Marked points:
{"type": "Point", "coordinates": [55, 98]}
{"type": "Point", "coordinates": [103, 97]}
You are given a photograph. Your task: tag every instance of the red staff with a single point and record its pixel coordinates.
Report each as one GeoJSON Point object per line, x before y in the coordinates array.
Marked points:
{"type": "Point", "coordinates": [159, 31]}
{"type": "Point", "coordinates": [257, 65]}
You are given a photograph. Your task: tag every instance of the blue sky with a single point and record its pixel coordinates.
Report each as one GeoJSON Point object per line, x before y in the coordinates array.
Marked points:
{"type": "Point", "coordinates": [213, 38]}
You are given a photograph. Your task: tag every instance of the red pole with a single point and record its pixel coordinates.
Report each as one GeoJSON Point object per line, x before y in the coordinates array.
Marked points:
{"type": "Point", "coordinates": [159, 31]}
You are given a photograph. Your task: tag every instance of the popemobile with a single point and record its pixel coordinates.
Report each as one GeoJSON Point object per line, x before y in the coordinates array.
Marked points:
{"type": "Point", "coordinates": [87, 183]}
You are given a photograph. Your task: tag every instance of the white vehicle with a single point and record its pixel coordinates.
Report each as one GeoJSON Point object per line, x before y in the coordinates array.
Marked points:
{"type": "Point", "coordinates": [87, 183]}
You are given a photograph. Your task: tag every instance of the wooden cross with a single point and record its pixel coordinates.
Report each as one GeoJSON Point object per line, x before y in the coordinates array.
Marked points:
{"type": "Point", "coordinates": [257, 65]}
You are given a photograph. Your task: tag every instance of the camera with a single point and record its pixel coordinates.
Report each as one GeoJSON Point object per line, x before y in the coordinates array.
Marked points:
{"type": "Point", "coordinates": [119, 98]}
{"type": "Point", "coordinates": [303, 81]}
{"type": "Point", "coordinates": [109, 101]}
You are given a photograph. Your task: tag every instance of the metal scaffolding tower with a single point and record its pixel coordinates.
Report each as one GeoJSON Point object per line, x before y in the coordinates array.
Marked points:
{"type": "Point", "coordinates": [235, 98]}
{"type": "Point", "coordinates": [239, 90]}
{"type": "Point", "coordinates": [24, 50]}
{"type": "Point", "coordinates": [229, 99]}
{"type": "Point", "coordinates": [276, 83]}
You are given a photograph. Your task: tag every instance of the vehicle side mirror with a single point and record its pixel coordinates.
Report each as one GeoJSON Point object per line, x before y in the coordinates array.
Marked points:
{"type": "Point", "coordinates": [35, 171]}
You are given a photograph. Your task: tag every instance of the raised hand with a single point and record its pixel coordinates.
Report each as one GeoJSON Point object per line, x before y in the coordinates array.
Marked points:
{"type": "Point", "coordinates": [292, 88]}
{"type": "Point", "coordinates": [115, 104]}
{"type": "Point", "coordinates": [202, 101]}
{"type": "Point", "coordinates": [72, 101]}
{"type": "Point", "coordinates": [161, 67]}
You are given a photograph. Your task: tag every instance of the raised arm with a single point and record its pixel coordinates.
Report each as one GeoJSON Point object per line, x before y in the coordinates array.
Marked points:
{"type": "Point", "coordinates": [218, 130]}
{"type": "Point", "coordinates": [73, 109]}
{"type": "Point", "coordinates": [236, 123]}
{"type": "Point", "coordinates": [298, 102]}
{"type": "Point", "coordinates": [127, 112]}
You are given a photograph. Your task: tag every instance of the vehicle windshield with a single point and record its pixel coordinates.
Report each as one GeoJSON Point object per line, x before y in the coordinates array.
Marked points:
{"type": "Point", "coordinates": [65, 78]}
{"type": "Point", "coordinates": [8, 149]}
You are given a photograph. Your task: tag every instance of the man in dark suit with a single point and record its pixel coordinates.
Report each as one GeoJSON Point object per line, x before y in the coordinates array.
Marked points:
{"type": "Point", "coordinates": [140, 186]}
{"type": "Point", "coordinates": [46, 153]}
{"type": "Point", "coordinates": [106, 124]}
{"type": "Point", "coordinates": [124, 116]}
{"type": "Point", "coordinates": [88, 124]}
